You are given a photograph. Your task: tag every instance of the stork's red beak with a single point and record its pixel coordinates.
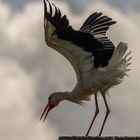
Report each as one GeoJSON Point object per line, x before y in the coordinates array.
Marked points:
{"type": "Point", "coordinates": [48, 107]}
{"type": "Point", "coordinates": [46, 111]}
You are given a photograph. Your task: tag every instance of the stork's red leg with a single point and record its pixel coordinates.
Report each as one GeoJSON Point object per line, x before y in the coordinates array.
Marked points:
{"type": "Point", "coordinates": [107, 113]}
{"type": "Point", "coordinates": [96, 113]}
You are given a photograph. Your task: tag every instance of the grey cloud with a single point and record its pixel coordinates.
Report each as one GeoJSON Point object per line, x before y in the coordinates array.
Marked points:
{"type": "Point", "coordinates": [77, 6]}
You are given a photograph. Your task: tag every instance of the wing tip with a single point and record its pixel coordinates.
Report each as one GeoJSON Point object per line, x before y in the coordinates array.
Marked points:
{"type": "Point", "coordinates": [114, 22]}
{"type": "Point", "coordinates": [47, 12]}
{"type": "Point", "coordinates": [45, 8]}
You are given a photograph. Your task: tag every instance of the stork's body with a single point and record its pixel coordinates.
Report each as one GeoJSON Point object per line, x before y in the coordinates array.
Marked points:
{"type": "Point", "coordinates": [98, 65]}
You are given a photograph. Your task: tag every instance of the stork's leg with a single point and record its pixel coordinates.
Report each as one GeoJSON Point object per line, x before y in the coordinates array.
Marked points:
{"type": "Point", "coordinates": [96, 112]}
{"type": "Point", "coordinates": [107, 113]}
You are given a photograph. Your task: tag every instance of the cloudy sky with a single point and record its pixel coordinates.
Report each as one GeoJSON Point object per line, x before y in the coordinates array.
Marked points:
{"type": "Point", "coordinates": [30, 71]}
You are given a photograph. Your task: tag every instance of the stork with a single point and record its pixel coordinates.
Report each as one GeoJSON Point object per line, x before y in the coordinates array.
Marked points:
{"type": "Point", "coordinates": [99, 66]}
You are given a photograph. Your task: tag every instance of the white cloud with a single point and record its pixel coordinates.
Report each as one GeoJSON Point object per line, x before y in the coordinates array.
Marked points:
{"type": "Point", "coordinates": [28, 75]}
{"type": "Point", "coordinates": [17, 87]}
{"type": "Point", "coordinates": [17, 101]}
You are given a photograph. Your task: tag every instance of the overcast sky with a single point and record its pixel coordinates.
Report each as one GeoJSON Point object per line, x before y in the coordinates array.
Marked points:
{"type": "Point", "coordinates": [78, 7]}
{"type": "Point", "coordinates": [30, 71]}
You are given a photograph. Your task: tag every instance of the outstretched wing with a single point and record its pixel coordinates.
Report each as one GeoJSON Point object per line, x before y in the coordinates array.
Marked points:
{"type": "Point", "coordinates": [76, 44]}
{"type": "Point", "coordinates": [97, 24]}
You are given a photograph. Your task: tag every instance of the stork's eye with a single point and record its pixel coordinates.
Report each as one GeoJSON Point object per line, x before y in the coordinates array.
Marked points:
{"type": "Point", "coordinates": [50, 97]}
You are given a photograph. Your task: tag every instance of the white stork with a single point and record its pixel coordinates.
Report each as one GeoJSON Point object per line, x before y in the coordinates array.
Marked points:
{"type": "Point", "coordinates": [97, 63]}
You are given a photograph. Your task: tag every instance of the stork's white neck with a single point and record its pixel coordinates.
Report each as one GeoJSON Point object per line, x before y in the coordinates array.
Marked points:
{"type": "Point", "coordinates": [67, 95]}
{"type": "Point", "coordinates": [76, 95]}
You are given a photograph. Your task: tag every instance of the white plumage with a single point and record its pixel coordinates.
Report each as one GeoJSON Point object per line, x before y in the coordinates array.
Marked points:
{"type": "Point", "coordinates": [97, 63]}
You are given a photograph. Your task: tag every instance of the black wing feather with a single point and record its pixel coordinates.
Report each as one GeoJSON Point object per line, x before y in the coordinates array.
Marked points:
{"type": "Point", "coordinates": [96, 24]}
{"type": "Point", "coordinates": [95, 21]}
{"type": "Point", "coordinates": [90, 19]}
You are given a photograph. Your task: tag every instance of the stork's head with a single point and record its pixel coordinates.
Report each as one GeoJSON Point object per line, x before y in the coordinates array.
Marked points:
{"type": "Point", "coordinates": [53, 100]}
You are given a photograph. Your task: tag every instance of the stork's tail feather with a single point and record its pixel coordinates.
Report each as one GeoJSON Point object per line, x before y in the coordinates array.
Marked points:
{"type": "Point", "coordinates": [120, 58]}
{"type": "Point", "coordinates": [118, 53]}
{"type": "Point", "coordinates": [120, 61]}
{"type": "Point", "coordinates": [117, 68]}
